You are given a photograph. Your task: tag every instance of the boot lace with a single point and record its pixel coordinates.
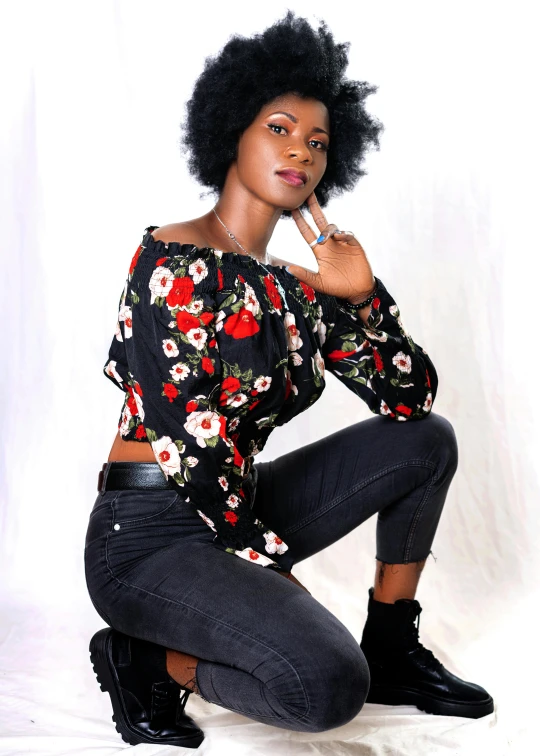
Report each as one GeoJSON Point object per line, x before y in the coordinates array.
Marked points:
{"type": "Point", "coordinates": [427, 656]}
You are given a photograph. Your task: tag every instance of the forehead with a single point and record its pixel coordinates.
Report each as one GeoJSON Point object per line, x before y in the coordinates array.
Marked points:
{"type": "Point", "coordinates": [304, 109]}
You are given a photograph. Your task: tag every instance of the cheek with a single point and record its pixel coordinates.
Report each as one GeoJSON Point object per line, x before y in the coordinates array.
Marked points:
{"type": "Point", "coordinates": [257, 158]}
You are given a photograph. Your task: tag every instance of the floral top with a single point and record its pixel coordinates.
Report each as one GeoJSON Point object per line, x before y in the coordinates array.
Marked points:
{"type": "Point", "coordinates": [214, 350]}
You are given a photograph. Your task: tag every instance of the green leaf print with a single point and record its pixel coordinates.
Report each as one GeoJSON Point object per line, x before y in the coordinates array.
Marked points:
{"type": "Point", "coordinates": [150, 434]}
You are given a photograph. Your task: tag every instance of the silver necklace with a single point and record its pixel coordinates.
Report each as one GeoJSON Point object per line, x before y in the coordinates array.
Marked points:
{"type": "Point", "coordinates": [233, 237]}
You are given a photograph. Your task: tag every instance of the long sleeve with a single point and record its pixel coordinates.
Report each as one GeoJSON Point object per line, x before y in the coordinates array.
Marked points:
{"type": "Point", "coordinates": [379, 361]}
{"type": "Point", "coordinates": [175, 375]}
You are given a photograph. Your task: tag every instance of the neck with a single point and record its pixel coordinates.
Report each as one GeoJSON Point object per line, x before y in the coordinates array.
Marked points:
{"type": "Point", "coordinates": [247, 216]}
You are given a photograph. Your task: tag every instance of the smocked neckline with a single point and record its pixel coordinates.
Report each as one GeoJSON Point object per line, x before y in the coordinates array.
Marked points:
{"type": "Point", "coordinates": [245, 260]}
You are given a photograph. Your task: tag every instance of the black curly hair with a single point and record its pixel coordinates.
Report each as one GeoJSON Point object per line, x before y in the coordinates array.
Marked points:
{"type": "Point", "coordinates": [289, 56]}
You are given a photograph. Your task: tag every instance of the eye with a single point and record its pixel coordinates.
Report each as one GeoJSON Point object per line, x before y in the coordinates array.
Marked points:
{"type": "Point", "coordinates": [323, 147]}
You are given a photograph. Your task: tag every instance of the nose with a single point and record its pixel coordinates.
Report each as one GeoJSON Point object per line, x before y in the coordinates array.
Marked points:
{"type": "Point", "coordinates": [300, 151]}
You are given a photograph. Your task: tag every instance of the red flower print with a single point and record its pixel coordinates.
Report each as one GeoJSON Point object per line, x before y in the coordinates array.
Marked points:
{"type": "Point", "coordinates": [207, 317]}
{"type": "Point", "coordinates": [272, 292]}
{"type": "Point", "coordinates": [231, 517]}
{"type": "Point", "coordinates": [241, 278]}
{"type": "Point", "coordinates": [138, 389]}
{"type": "Point", "coordinates": [134, 259]}
{"type": "Point", "coordinates": [254, 392]}
{"type": "Point", "coordinates": [170, 391]}
{"type": "Point", "coordinates": [402, 408]}
{"type": "Point", "coordinates": [230, 384]}
{"type": "Point", "coordinates": [238, 458]}
{"type": "Point", "coordinates": [379, 364]}
{"type": "Point", "coordinates": [241, 324]}
{"type": "Point", "coordinates": [222, 426]}
{"type": "Point", "coordinates": [255, 403]}
{"type": "Point", "coordinates": [308, 291]}
{"type": "Point", "coordinates": [337, 355]}
{"type": "Point", "coordinates": [223, 399]}
{"type": "Point", "coordinates": [220, 279]}
{"type": "Point", "coordinates": [376, 302]}
{"type": "Point", "coordinates": [288, 387]}
{"type": "Point", "coordinates": [140, 432]}
{"type": "Point", "coordinates": [428, 381]}
{"type": "Point", "coordinates": [253, 555]}
{"type": "Point", "coordinates": [185, 321]}
{"type": "Point", "coordinates": [212, 343]}
{"type": "Point", "coordinates": [207, 365]}
{"type": "Point", "coordinates": [160, 261]}
{"type": "Point", "coordinates": [191, 406]}
{"type": "Point", "coordinates": [181, 292]}
{"type": "Point", "coordinates": [131, 404]}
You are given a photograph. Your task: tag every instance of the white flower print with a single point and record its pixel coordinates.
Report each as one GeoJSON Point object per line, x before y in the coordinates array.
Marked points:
{"type": "Point", "coordinates": [274, 543]}
{"type": "Point", "coordinates": [374, 335]}
{"type": "Point", "coordinates": [167, 455]}
{"type": "Point", "coordinates": [250, 300]}
{"type": "Point", "coordinates": [218, 323]}
{"type": "Point", "coordinates": [138, 402]}
{"type": "Point", "coordinates": [233, 501]}
{"type": "Point", "coordinates": [160, 283]}
{"type": "Point", "coordinates": [198, 270]}
{"type": "Point", "coordinates": [402, 362]}
{"type": "Point", "coordinates": [293, 334]}
{"type": "Point", "coordinates": [207, 520]}
{"type": "Point", "coordinates": [172, 323]}
{"type": "Point", "coordinates": [428, 402]}
{"type": "Point", "coordinates": [170, 348]}
{"type": "Point", "coordinates": [195, 307]}
{"type": "Point", "coordinates": [197, 337]}
{"type": "Point", "coordinates": [254, 556]}
{"type": "Point", "coordinates": [125, 315]}
{"type": "Point", "coordinates": [385, 409]}
{"type": "Point", "coordinates": [296, 358]}
{"type": "Point", "coordinates": [232, 425]}
{"type": "Point", "coordinates": [191, 461]}
{"type": "Point", "coordinates": [262, 383]}
{"type": "Point", "coordinates": [321, 328]}
{"type": "Point", "coordinates": [118, 332]}
{"type": "Point", "coordinates": [123, 428]}
{"type": "Point", "coordinates": [223, 482]}
{"type": "Point", "coordinates": [180, 371]}
{"type": "Point", "coordinates": [111, 370]}
{"type": "Point", "coordinates": [237, 400]}
{"type": "Point", "coordinates": [203, 425]}
{"type": "Point", "coordinates": [318, 361]}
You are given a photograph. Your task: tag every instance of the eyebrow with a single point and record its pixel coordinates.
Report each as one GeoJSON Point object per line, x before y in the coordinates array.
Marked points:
{"type": "Point", "coordinates": [295, 120]}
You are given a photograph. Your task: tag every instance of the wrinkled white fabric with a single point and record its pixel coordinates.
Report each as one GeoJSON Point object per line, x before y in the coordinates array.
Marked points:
{"type": "Point", "coordinates": [92, 97]}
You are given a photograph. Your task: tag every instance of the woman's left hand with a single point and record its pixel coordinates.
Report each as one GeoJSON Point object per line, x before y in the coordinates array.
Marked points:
{"type": "Point", "coordinates": [344, 270]}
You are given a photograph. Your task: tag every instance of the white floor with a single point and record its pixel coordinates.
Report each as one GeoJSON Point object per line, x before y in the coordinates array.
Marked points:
{"type": "Point", "coordinates": [51, 705]}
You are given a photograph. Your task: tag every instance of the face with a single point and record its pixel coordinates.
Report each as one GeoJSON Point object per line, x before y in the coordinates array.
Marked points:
{"type": "Point", "coordinates": [289, 138]}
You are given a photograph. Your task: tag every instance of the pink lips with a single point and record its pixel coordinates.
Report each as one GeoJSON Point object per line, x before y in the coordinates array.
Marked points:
{"type": "Point", "coordinates": [292, 178]}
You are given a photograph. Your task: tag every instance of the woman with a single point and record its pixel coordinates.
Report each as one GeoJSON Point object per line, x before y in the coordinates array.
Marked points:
{"type": "Point", "coordinates": [189, 540]}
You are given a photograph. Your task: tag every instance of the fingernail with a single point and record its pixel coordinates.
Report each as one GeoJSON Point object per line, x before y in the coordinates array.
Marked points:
{"type": "Point", "coordinates": [287, 269]}
{"type": "Point", "coordinates": [321, 237]}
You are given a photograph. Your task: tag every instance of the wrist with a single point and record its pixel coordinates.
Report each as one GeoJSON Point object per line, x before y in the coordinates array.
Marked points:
{"type": "Point", "coordinates": [359, 298]}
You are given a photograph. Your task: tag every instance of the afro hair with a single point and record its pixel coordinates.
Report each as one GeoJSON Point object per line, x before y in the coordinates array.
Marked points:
{"type": "Point", "coordinates": [289, 56]}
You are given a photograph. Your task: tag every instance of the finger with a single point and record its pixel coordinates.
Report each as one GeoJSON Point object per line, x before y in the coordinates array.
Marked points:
{"type": "Point", "coordinates": [316, 212]}
{"type": "Point", "coordinates": [303, 226]}
{"type": "Point", "coordinates": [346, 236]}
{"type": "Point", "coordinates": [306, 276]}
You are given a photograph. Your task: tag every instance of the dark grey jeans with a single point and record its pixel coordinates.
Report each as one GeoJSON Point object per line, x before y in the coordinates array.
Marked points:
{"type": "Point", "coordinates": [268, 649]}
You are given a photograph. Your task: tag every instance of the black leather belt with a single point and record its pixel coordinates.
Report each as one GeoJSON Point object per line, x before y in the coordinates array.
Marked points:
{"type": "Point", "coordinates": [142, 475]}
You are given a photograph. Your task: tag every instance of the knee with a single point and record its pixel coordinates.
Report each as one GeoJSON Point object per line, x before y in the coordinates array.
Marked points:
{"type": "Point", "coordinates": [341, 691]}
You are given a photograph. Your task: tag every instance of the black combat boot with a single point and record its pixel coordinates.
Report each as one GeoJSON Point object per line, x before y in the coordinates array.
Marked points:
{"type": "Point", "coordinates": [403, 671]}
{"type": "Point", "coordinates": [147, 703]}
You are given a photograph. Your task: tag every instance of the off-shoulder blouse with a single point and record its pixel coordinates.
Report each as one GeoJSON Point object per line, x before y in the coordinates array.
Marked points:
{"type": "Point", "coordinates": [214, 350]}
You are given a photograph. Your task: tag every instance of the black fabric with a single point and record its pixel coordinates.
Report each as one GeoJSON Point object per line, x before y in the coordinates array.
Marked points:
{"type": "Point", "coordinates": [214, 350]}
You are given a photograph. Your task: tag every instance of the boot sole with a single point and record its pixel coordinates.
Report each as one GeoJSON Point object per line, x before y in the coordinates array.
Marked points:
{"type": "Point", "coordinates": [430, 704]}
{"type": "Point", "coordinates": [101, 658]}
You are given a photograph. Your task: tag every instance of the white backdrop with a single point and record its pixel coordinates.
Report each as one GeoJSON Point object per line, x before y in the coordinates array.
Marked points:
{"type": "Point", "coordinates": [92, 96]}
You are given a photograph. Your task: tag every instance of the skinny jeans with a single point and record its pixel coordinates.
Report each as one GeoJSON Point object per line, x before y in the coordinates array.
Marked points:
{"type": "Point", "coordinates": [268, 649]}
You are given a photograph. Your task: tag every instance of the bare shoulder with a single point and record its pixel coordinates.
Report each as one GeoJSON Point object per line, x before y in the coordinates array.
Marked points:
{"type": "Point", "coordinates": [184, 232]}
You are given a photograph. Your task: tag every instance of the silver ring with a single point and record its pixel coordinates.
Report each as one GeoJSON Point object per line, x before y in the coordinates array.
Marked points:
{"type": "Point", "coordinates": [313, 243]}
